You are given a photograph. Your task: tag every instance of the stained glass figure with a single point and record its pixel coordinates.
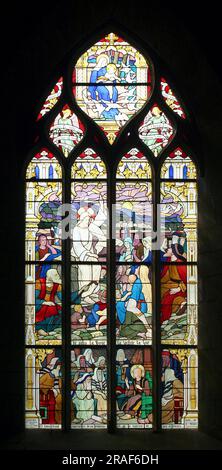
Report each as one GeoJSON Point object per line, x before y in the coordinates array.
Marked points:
{"type": "Point", "coordinates": [89, 250]}
{"type": "Point", "coordinates": [88, 303]}
{"type": "Point", "coordinates": [43, 392]}
{"type": "Point", "coordinates": [111, 83]}
{"type": "Point", "coordinates": [133, 221]}
{"type": "Point", "coordinates": [179, 304]}
{"type": "Point", "coordinates": [170, 99]}
{"type": "Point", "coordinates": [43, 237]}
{"type": "Point", "coordinates": [134, 402]}
{"type": "Point", "coordinates": [156, 131]}
{"type": "Point", "coordinates": [66, 130]}
{"type": "Point", "coordinates": [89, 221]}
{"type": "Point", "coordinates": [178, 166]}
{"type": "Point", "coordinates": [133, 165]}
{"type": "Point", "coordinates": [133, 304]}
{"type": "Point", "coordinates": [88, 166]}
{"type": "Point", "coordinates": [52, 99]}
{"type": "Point", "coordinates": [133, 245]}
{"type": "Point", "coordinates": [43, 304]}
{"type": "Point", "coordinates": [88, 388]}
{"type": "Point", "coordinates": [179, 388]}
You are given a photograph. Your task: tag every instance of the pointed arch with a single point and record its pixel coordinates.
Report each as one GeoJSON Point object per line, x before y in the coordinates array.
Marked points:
{"type": "Point", "coordinates": [43, 289]}
{"type": "Point", "coordinates": [179, 302]}
{"type": "Point", "coordinates": [114, 131]}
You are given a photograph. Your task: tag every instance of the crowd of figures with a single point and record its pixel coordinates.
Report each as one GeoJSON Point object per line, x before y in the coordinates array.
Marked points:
{"type": "Point", "coordinates": [134, 387]}
{"type": "Point", "coordinates": [89, 387]}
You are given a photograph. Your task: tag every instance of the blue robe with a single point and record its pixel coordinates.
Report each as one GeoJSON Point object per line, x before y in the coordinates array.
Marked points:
{"type": "Point", "coordinates": [103, 94]}
{"type": "Point", "coordinates": [135, 294]}
{"type": "Point", "coordinates": [46, 267]}
{"type": "Point", "coordinates": [93, 317]}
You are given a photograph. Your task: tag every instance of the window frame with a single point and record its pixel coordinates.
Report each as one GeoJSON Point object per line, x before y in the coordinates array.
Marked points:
{"type": "Point", "coordinates": [185, 131]}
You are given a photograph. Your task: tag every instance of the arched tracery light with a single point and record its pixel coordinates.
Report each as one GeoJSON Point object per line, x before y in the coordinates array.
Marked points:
{"type": "Point", "coordinates": [111, 308]}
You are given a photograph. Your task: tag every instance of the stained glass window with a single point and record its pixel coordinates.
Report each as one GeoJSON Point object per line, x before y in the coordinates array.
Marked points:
{"type": "Point", "coordinates": [179, 304]}
{"type": "Point", "coordinates": [111, 82]}
{"type": "Point", "coordinates": [156, 131]}
{"type": "Point", "coordinates": [179, 401]}
{"type": "Point", "coordinates": [43, 291]}
{"type": "Point", "coordinates": [51, 99]}
{"type": "Point", "coordinates": [178, 165]}
{"type": "Point", "coordinates": [88, 388]}
{"type": "Point", "coordinates": [89, 251]}
{"type": "Point", "coordinates": [134, 400]}
{"type": "Point", "coordinates": [43, 393]}
{"type": "Point", "coordinates": [66, 130]}
{"type": "Point", "coordinates": [170, 99]}
{"type": "Point", "coordinates": [111, 306]}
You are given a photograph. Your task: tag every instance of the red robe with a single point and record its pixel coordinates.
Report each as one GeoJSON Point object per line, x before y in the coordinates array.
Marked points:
{"type": "Point", "coordinates": [172, 276]}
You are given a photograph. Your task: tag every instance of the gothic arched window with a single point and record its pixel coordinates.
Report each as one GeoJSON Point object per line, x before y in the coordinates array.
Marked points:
{"type": "Point", "coordinates": [111, 248]}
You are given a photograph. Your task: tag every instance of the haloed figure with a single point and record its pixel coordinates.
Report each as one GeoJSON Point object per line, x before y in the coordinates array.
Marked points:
{"type": "Point", "coordinates": [139, 404]}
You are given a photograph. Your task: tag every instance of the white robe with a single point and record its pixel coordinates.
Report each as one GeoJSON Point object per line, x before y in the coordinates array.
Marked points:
{"type": "Point", "coordinates": [82, 250]}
